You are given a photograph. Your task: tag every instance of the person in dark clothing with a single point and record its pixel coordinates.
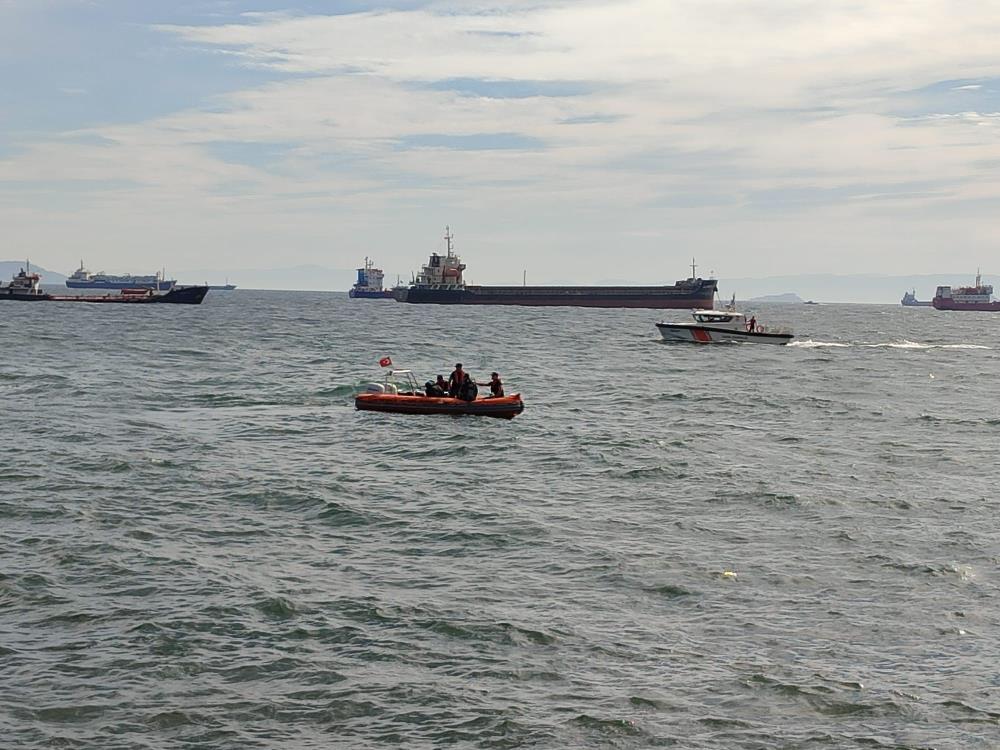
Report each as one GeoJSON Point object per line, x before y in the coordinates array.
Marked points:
{"type": "Point", "coordinates": [433, 389]}
{"type": "Point", "coordinates": [455, 380]}
{"type": "Point", "coordinates": [442, 384]}
{"type": "Point", "coordinates": [495, 384]}
{"type": "Point", "coordinates": [469, 390]}
{"type": "Point", "coordinates": [752, 325]}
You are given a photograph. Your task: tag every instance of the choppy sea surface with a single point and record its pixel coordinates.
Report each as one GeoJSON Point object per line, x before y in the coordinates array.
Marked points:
{"type": "Point", "coordinates": [204, 545]}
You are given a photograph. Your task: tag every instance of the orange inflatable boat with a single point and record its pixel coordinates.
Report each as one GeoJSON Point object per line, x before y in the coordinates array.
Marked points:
{"type": "Point", "coordinates": [400, 394]}
{"type": "Point", "coordinates": [505, 407]}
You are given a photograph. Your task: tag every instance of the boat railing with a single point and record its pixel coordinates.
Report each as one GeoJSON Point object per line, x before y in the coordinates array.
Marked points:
{"type": "Point", "coordinates": [772, 329]}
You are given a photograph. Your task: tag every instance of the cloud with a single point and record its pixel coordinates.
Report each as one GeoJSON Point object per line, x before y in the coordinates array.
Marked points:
{"type": "Point", "coordinates": [572, 115]}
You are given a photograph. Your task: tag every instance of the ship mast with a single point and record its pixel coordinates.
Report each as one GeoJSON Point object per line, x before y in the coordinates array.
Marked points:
{"type": "Point", "coordinates": [694, 269]}
{"type": "Point", "coordinates": [448, 238]}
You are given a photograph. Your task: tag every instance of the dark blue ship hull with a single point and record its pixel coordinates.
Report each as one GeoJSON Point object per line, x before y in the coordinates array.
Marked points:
{"type": "Point", "coordinates": [685, 295]}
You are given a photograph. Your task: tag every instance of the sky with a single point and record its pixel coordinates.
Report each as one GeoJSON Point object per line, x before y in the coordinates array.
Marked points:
{"type": "Point", "coordinates": [572, 141]}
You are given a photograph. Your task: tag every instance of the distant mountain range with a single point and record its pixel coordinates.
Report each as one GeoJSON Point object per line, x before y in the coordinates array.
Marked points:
{"type": "Point", "coordinates": [305, 277]}
{"type": "Point", "coordinates": [783, 299]}
{"type": "Point", "coordinates": [847, 288]}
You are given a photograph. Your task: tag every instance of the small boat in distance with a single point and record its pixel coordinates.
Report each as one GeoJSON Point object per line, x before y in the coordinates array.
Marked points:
{"type": "Point", "coordinates": [910, 300]}
{"type": "Point", "coordinates": [369, 283]}
{"type": "Point", "coordinates": [81, 278]}
{"type": "Point", "coordinates": [722, 326]}
{"type": "Point", "coordinates": [26, 287]}
{"type": "Point", "coordinates": [227, 287]}
{"type": "Point", "coordinates": [400, 394]}
{"type": "Point", "coordinates": [978, 297]}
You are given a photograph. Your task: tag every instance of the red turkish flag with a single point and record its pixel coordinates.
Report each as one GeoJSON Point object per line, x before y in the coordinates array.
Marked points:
{"type": "Point", "coordinates": [385, 362]}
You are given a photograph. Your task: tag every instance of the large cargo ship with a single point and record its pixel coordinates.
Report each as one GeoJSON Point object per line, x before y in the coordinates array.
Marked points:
{"type": "Point", "coordinates": [978, 297]}
{"type": "Point", "coordinates": [81, 278]}
{"type": "Point", "coordinates": [440, 282]}
{"type": "Point", "coordinates": [369, 283]}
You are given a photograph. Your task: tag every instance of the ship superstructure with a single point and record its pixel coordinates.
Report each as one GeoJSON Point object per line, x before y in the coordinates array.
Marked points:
{"type": "Point", "coordinates": [978, 297]}
{"type": "Point", "coordinates": [369, 283]}
{"type": "Point", "coordinates": [440, 281]}
{"type": "Point", "coordinates": [81, 278]}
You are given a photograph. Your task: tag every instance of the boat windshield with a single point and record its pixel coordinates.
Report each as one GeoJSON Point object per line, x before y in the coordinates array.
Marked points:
{"type": "Point", "coordinates": [403, 380]}
{"type": "Point", "coordinates": [710, 318]}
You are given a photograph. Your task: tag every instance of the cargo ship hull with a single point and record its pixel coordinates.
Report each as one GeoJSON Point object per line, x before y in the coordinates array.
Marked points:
{"type": "Point", "coordinates": [370, 294]}
{"type": "Point", "coordinates": [188, 295]}
{"type": "Point", "coordinates": [700, 295]}
{"type": "Point", "coordinates": [949, 304]}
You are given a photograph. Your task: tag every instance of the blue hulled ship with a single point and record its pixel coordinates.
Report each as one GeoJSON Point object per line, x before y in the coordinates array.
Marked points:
{"type": "Point", "coordinates": [369, 283]}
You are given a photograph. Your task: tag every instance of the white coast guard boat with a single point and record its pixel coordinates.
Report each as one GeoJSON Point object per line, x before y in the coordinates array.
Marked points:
{"type": "Point", "coordinates": [723, 326]}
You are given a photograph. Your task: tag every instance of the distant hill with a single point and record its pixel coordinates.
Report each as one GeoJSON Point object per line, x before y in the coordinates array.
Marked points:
{"type": "Point", "coordinates": [849, 288]}
{"type": "Point", "coordinates": [10, 268]}
{"type": "Point", "coordinates": [787, 298]}
{"type": "Point", "coordinates": [305, 277]}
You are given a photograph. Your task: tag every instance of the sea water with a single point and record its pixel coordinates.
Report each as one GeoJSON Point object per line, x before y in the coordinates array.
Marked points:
{"type": "Point", "coordinates": [204, 545]}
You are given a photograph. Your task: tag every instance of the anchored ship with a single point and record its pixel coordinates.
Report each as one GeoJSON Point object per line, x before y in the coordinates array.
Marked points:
{"type": "Point", "coordinates": [26, 287]}
{"type": "Point", "coordinates": [81, 278]}
{"type": "Point", "coordinates": [978, 297]}
{"type": "Point", "coordinates": [910, 300]}
{"type": "Point", "coordinates": [440, 282]}
{"type": "Point", "coordinates": [369, 283]}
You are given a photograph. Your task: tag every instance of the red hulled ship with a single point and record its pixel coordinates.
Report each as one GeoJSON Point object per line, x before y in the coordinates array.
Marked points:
{"type": "Point", "coordinates": [978, 297]}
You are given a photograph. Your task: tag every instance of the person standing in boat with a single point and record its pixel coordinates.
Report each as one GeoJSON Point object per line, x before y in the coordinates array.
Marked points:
{"type": "Point", "coordinates": [455, 380]}
{"type": "Point", "coordinates": [495, 384]}
{"type": "Point", "coordinates": [752, 325]}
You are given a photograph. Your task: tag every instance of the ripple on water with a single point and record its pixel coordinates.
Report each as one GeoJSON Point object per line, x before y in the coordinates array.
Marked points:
{"type": "Point", "coordinates": [203, 544]}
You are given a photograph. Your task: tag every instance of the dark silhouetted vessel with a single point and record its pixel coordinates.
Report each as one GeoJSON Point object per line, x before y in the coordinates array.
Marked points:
{"type": "Point", "coordinates": [440, 282]}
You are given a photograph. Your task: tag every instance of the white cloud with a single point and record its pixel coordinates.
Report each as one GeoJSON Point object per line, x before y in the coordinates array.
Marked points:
{"type": "Point", "coordinates": [691, 112]}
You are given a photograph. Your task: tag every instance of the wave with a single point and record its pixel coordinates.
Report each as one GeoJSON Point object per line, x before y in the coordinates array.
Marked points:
{"type": "Point", "coordinates": [916, 345]}
{"type": "Point", "coordinates": [810, 344]}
